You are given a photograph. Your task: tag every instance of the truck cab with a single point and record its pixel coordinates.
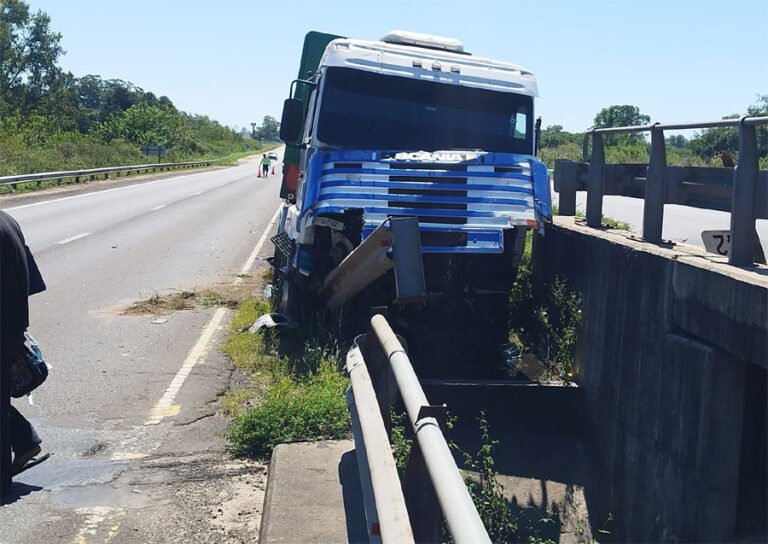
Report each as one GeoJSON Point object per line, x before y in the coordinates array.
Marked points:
{"type": "Point", "coordinates": [411, 125]}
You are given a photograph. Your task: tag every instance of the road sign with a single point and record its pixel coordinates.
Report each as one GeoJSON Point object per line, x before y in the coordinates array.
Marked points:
{"type": "Point", "coordinates": [717, 241]}
{"type": "Point", "coordinates": [153, 150]}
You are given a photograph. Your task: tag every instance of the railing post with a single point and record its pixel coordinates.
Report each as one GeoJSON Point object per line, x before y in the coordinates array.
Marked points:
{"type": "Point", "coordinates": [595, 181]}
{"type": "Point", "coordinates": [565, 176]}
{"type": "Point", "coordinates": [655, 188]}
{"type": "Point", "coordinates": [743, 199]}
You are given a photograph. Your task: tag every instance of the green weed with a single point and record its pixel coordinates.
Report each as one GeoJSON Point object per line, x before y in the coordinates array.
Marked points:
{"type": "Point", "coordinates": [486, 491]}
{"type": "Point", "coordinates": [302, 397]}
{"type": "Point", "coordinates": [545, 319]}
{"type": "Point", "coordinates": [311, 407]}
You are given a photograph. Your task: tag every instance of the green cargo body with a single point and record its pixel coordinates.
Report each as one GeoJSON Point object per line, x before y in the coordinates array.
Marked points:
{"type": "Point", "coordinates": [314, 46]}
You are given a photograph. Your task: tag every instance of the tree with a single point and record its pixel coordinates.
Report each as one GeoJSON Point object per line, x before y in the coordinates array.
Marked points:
{"type": "Point", "coordinates": [29, 51]}
{"type": "Point", "coordinates": [269, 131]}
{"type": "Point", "coordinates": [714, 142]}
{"type": "Point", "coordinates": [678, 140]}
{"type": "Point", "coordinates": [621, 116]}
{"type": "Point", "coordinates": [145, 125]}
{"type": "Point", "coordinates": [555, 136]}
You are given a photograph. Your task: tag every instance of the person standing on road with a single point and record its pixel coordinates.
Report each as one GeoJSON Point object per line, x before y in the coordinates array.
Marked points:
{"type": "Point", "coordinates": [265, 165]}
{"type": "Point", "coordinates": [19, 278]}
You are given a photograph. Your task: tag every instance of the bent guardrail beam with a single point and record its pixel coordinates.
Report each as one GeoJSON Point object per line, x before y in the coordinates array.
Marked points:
{"type": "Point", "coordinates": [742, 190]}
{"type": "Point", "coordinates": [93, 172]}
{"type": "Point", "coordinates": [432, 477]}
{"type": "Point", "coordinates": [364, 265]}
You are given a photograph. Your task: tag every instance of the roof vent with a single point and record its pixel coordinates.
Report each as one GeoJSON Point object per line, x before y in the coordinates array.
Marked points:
{"type": "Point", "coordinates": [416, 39]}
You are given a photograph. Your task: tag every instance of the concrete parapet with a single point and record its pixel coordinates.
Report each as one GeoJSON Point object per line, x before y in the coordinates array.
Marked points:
{"type": "Point", "coordinates": [313, 495]}
{"type": "Point", "coordinates": [672, 336]}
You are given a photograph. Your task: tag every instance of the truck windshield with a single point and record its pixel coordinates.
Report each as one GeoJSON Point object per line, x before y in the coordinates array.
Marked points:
{"type": "Point", "coordinates": [365, 110]}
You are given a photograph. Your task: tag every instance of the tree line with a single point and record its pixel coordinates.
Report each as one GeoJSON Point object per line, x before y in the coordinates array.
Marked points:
{"type": "Point", "coordinates": [52, 120]}
{"type": "Point", "coordinates": [710, 147]}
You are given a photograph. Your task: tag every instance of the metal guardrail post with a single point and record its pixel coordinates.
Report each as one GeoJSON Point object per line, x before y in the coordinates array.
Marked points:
{"type": "Point", "coordinates": [655, 187]}
{"type": "Point", "coordinates": [566, 204]}
{"type": "Point", "coordinates": [595, 181]}
{"type": "Point", "coordinates": [743, 199]}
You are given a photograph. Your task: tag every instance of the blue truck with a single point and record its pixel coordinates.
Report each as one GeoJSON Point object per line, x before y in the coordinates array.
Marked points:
{"type": "Point", "coordinates": [410, 126]}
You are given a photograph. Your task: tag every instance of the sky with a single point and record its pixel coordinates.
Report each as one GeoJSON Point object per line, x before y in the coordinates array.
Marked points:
{"type": "Point", "coordinates": [233, 60]}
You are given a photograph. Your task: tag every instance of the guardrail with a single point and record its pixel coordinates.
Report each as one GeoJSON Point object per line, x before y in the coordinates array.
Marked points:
{"type": "Point", "coordinates": [92, 173]}
{"type": "Point", "coordinates": [410, 512]}
{"type": "Point", "coordinates": [742, 190]}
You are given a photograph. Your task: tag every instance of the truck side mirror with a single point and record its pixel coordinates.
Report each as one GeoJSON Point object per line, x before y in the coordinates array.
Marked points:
{"type": "Point", "coordinates": [290, 123]}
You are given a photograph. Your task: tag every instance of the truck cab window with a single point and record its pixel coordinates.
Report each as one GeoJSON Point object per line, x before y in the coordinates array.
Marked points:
{"type": "Point", "coordinates": [366, 110]}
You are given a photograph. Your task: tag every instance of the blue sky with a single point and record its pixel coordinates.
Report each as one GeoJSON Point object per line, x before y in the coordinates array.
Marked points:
{"type": "Point", "coordinates": [233, 60]}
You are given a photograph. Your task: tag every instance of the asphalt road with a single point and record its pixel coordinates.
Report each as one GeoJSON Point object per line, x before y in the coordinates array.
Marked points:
{"type": "Point", "coordinates": [125, 389]}
{"type": "Point", "coordinates": [681, 223]}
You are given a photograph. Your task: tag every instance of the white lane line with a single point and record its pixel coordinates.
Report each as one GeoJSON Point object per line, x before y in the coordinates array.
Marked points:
{"type": "Point", "coordinates": [160, 207]}
{"type": "Point", "coordinates": [249, 263]}
{"type": "Point", "coordinates": [165, 407]}
{"type": "Point", "coordinates": [73, 238]}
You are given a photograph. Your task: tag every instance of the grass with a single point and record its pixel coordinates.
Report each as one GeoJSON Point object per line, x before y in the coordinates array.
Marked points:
{"type": "Point", "coordinates": [249, 352]}
{"type": "Point", "coordinates": [294, 409]}
{"type": "Point", "coordinates": [32, 186]}
{"type": "Point", "coordinates": [297, 399]}
{"type": "Point", "coordinates": [609, 222]}
{"type": "Point", "coordinates": [186, 300]}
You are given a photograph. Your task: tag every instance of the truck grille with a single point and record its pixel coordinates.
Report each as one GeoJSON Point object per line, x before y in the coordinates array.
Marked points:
{"type": "Point", "coordinates": [461, 206]}
{"type": "Point", "coordinates": [459, 194]}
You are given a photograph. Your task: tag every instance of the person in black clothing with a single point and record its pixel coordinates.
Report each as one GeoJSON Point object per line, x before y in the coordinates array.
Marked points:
{"type": "Point", "coordinates": [19, 278]}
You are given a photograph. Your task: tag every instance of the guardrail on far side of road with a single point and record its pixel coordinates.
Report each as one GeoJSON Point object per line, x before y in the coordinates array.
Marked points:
{"type": "Point", "coordinates": [93, 173]}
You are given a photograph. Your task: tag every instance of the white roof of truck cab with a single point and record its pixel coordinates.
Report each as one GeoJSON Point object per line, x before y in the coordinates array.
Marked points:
{"type": "Point", "coordinates": [429, 64]}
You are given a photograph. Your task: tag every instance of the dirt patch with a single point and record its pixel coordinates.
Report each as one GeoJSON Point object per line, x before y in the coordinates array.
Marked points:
{"type": "Point", "coordinates": [229, 295]}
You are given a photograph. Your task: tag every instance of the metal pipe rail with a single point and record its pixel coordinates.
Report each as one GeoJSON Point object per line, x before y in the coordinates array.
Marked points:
{"type": "Point", "coordinates": [93, 172]}
{"type": "Point", "coordinates": [430, 454]}
{"type": "Point", "coordinates": [743, 190]}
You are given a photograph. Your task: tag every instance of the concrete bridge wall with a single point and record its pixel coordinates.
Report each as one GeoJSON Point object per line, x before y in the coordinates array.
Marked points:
{"type": "Point", "coordinates": [672, 362]}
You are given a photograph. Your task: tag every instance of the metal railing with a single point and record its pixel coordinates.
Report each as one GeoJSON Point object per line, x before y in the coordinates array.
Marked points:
{"type": "Point", "coordinates": [742, 190]}
{"type": "Point", "coordinates": [410, 512]}
{"type": "Point", "coordinates": [92, 173]}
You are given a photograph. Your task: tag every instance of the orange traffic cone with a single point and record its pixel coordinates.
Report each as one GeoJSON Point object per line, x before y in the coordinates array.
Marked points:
{"type": "Point", "coordinates": [259, 174]}
{"type": "Point", "coordinates": [273, 169]}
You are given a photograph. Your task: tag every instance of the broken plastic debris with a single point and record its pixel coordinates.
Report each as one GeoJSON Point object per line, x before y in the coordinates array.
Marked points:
{"type": "Point", "coordinates": [271, 321]}
{"type": "Point", "coordinates": [159, 321]}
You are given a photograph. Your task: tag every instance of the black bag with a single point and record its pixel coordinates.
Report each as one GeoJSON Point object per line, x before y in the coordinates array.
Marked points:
{"type": "Point", "coordinates": [29, 370]}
